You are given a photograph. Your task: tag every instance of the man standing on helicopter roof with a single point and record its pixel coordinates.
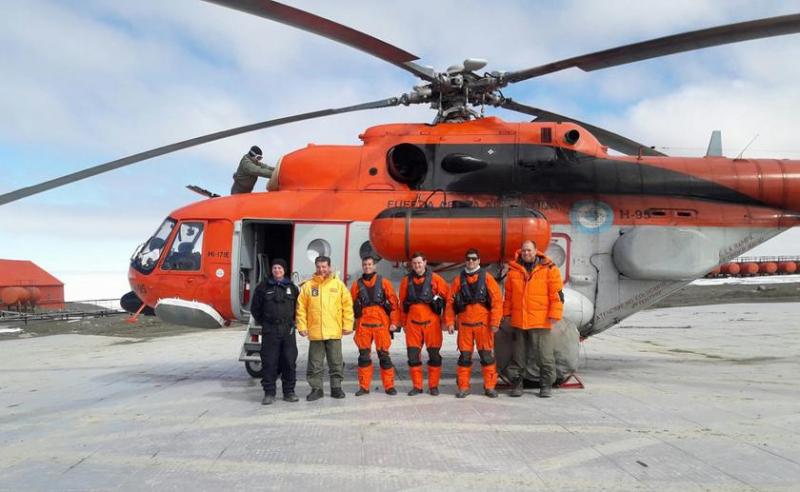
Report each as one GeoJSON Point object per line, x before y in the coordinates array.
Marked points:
{"type": "Point", "coordinates": [377, 315]}
{"type": "Point", "coordinates": [422, 297]}
{"type": "Point", "coordinates": [250, 168]}
{"type": "Point", "coordinates": [476, 301]}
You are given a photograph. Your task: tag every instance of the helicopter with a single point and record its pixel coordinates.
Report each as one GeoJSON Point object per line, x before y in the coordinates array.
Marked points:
{"type": "Point", "coordinates": [626, 230]}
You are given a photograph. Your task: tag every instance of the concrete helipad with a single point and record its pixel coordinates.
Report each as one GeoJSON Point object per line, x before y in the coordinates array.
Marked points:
{"type": "Point", "coordinates": [699, 398]}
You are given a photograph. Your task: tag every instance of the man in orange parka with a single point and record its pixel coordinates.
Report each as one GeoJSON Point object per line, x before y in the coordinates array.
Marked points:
{"type": "Point", "coordinates": [377, 315]}
{"type": "Point", "coordinates": [476, 301]}
{"type": "Point", "coordinates": [422, 296]}
{"type": "Point", "coordinates": [534, 301]}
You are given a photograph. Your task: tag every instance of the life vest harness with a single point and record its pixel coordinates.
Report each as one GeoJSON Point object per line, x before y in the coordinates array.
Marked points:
{"type": "Point", "coordinates": [475, 293]}
{"type": "Point", "coordinates": [371, 296]}
{"type": "Point", "coordinates": [422, 294]}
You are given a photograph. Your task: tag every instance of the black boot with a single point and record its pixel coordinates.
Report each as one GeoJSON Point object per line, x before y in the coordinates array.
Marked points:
{"type": "Point", "coordinates": [315, 394]}
{"type": "Point", "coordinates": [516, 389]}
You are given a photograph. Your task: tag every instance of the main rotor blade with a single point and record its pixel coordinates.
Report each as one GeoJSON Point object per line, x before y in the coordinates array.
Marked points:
{"type": "Point", "coordinates": [668, 45]}
{"type": "Point", "coordinates": [321, 26]}
{"type": "Point", "coordinates": [607, 138]}
{"type": "Point", "coordinates": [132, 159]}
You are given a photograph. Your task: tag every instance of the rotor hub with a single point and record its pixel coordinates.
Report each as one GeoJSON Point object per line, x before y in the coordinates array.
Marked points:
{"type": "Point", "coordinates": [458, 92]}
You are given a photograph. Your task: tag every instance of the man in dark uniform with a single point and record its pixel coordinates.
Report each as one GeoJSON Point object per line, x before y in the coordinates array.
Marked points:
{"type": "Point", "coordinates": [273, 308]}
{"type": "Point", "coordinates": [250, 168]}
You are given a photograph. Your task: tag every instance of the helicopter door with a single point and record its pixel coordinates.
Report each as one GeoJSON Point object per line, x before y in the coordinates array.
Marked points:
{"type": "Point", "coordinates": [259, 242]}
{"type": "Point", "coordinates": [318, 239]}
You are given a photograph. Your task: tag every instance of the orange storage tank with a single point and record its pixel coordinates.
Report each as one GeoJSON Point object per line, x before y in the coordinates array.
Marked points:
{"type": "Point", "coordinates": [733, 269]}
{"type": "Point", "coordinates": [749, 268]}
{"type": "Point", "coordinates": [715, 272]}
{"type": "Point", "coordinates": [14, 295]}
{"type": "Point", "coordinates": [8, 296]}
{"type": "Point", "coordinates": [444, 234]}
{"type": "Point", "coordinates": [768, 268]}
{"type": "Point", "coordinates": [36, 294]}
{"type": "Point", "coordinates": [787, 267]}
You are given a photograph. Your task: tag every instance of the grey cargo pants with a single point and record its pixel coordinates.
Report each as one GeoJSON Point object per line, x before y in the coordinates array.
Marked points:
{"type": "Point", "coordinates": [538, 341]}
{"type": "Point", "coordinates": [318, 351]}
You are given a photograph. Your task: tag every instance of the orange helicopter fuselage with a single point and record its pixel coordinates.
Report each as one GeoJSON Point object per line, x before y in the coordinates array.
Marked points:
{"type": "Point", "coordinates": [480, 163]}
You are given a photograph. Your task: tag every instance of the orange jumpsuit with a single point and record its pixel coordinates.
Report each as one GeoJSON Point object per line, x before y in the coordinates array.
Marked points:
{"type": "Point", "coordinates": [481, 309]}
{"type": "Point", "coordinates": [373, 326]}
{"type": "Point", "coordinates": [422, 325]}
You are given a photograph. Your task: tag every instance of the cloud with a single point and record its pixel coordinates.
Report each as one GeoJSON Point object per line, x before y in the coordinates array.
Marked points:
{"type": "Point", "coordinates": [683, 121]}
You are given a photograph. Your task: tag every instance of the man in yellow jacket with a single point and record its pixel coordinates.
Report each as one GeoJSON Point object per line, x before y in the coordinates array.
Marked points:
{"type": "Point", "coordinates": [324, 314]}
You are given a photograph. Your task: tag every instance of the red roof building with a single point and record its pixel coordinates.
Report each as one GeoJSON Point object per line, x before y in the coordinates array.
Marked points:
{"type": "Point", "coordinates": [42, 288]}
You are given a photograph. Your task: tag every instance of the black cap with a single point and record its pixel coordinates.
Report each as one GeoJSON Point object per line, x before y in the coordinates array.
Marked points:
{"type": "Point", "coordinates": [281, 262]}
{"type": "Point", "coordinates": [255, 150]}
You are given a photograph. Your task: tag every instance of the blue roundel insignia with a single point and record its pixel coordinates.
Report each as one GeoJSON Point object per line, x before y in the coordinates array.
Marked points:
{"type": "Point", "coordinates": [591, 217]}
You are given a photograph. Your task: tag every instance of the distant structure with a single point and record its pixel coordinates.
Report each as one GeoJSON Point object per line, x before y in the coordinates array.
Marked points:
{"type": "Point", "coordinates": [24, 286]}
{"type": "Point", "coordinates": [756, 266]}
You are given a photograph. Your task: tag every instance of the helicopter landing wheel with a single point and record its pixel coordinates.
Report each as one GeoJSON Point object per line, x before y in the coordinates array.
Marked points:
{"type": "Point", "coordinates": [253, 368]}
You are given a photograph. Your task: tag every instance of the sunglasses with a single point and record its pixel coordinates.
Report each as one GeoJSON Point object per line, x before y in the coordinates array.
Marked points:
{"type": "Point", "coordinates": [472, 258]}
{"type": "Point", "coordinates": [258, 157]}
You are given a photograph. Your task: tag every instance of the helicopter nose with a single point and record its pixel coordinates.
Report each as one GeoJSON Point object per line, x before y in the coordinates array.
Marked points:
{"type": "Point", "coordinates": [131, 303]}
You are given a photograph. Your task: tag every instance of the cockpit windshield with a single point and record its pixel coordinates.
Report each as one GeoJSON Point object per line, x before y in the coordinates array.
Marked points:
{"type": "Point", "coordinates": [187, 248]}
{"type": "Point", "coordinates": [146, 257]}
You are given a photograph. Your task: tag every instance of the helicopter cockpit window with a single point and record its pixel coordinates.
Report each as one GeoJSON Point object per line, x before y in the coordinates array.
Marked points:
{"type": "Point", "coordinates": [146, 257]}
{"type": "Point", "coordinates": [187, 248]}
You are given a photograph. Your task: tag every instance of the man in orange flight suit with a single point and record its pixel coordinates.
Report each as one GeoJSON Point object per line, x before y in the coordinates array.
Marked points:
{"type": "Point", "coordinates": [422, 296]}
{"type": "Point", "coordinates": [377, 315]}
{"type": "Point", "coordinates": [534, 302]}
{"type": "Point", "coordinates": [476, 301]}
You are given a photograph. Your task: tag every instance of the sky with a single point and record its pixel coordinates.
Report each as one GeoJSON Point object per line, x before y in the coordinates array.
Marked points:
{"type": "Point", "coordinates": [86, 82]}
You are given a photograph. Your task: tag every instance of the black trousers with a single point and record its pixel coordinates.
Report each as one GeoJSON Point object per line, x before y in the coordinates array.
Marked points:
{"type": "Point", "coordinates": [278, 354]}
